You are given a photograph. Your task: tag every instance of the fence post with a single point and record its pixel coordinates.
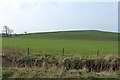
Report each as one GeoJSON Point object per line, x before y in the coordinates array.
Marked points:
{"type": "Point", "coordinates": [63, 51]}
{"type": "Point", "coordinates": [98, 52]}
{"type": "Point", "coordinates": [28, 50]}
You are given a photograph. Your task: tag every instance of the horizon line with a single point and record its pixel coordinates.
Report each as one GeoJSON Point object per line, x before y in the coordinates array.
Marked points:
{"type": "Point", "coordinates": [74, 30]}
{"type": "Point", "coordinates": [66, 31]}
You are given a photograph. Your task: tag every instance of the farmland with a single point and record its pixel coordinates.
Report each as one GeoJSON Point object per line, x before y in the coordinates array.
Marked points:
{"type": "Point", "coordinates": [75, 43]}
{"type": "Point", "coordinates": [45, 59]}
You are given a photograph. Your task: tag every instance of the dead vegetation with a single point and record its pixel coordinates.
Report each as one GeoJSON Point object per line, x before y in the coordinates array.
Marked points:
{"type": "Point", "coordinates": [18, 65]}
{"type": "Point", "coordinates": [99, 64]}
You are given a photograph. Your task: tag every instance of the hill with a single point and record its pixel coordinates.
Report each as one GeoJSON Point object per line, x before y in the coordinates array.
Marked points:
{"type": "Point", "coordinates": [74, 42]}
{"type": "Point", "coordinates": [74, 35]}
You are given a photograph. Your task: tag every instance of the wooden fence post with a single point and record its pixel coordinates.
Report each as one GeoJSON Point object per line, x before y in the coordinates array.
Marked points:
{"type": "Point", "coordinates": [28, 51]}
{"type": "Point", "coordinates": [63, 51]}
{"type": "Point", "coordinates": [98, 52]}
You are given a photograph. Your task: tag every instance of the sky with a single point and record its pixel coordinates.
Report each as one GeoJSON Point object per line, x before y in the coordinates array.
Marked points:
{"type": "Point", "coordinates": [44, 16]}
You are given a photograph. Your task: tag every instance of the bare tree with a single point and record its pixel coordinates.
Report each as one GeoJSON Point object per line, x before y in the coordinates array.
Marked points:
{"type": "Point", "coordinates": [10, 32]}
{"type": "Point", "coordinates": [7, 31]}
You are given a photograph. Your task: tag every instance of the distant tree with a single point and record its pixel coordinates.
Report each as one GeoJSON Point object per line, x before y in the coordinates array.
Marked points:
{"type": "Point", "coordinates": [25, 32]}
{"type": "Point", "coordinates": [7, 31]}
{"type": "Point", "coordinates": [10, 32]}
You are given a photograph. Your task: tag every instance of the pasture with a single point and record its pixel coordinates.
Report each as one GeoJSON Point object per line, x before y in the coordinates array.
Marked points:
{"type": "Point", "coordinates": [81, 46]}
{"type": "Point", "coordinates": [77, 43]}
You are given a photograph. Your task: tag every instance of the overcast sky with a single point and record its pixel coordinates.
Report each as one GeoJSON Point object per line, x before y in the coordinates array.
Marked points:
{"type": "Point", "coordinates": [35, 16]}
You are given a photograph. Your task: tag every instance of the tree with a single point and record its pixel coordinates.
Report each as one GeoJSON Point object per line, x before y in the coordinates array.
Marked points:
{"type": "Point", "coordinates": [10, 32]}
{"type": "Point", "coordinates": [7, 31]}
{"type": "Point", "coordinates": [25, 32]}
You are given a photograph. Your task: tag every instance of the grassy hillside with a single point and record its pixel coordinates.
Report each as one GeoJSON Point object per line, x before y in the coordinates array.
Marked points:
{"type": "Point", "coordinates": [74, 42]}
{"type": "Point", "coordinates": [74, 35]}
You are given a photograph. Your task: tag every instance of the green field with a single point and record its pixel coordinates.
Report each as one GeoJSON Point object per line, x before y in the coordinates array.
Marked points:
{"type": "Point", "coordinates": [74, 42]}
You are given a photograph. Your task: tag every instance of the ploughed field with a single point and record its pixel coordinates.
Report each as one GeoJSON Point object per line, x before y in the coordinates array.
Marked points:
{"type": "Point", "coordinates": [77, 43]}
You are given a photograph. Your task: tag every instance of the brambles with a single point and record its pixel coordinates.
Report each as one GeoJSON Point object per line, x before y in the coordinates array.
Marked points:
{"type": "Point", "coordinates": [42, 66]}
{"type": "Point", "coordinates": [53, 72]}
{"type": "Point", "coordinates": [72, 63]}
{"type": "Point", "coordinates": [100, 64]}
